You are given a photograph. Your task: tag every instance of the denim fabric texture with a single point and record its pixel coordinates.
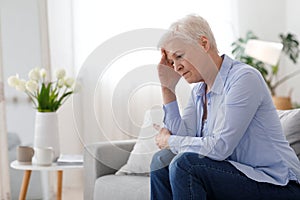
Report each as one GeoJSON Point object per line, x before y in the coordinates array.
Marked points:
{"type": "Point", "coordinates": [192, 176]}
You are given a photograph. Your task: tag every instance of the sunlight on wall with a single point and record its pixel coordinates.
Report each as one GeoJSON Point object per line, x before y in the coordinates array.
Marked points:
{"type": "Point", "coordinates": [94, 21]}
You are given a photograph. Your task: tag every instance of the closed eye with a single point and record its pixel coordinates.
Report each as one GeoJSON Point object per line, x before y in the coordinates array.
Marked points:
{"type": "Point", "coordinates": [171, 62]}
{"type": "Point", "coordinates": [179, 56]}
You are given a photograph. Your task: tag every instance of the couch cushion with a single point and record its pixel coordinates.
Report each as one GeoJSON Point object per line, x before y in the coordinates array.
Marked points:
{"type": "Point", "coordinates": [145, 147]}
{"type": "Point", "coordinates": [290, 121]}
{"type": "Point", "coordinates": [114, 187]}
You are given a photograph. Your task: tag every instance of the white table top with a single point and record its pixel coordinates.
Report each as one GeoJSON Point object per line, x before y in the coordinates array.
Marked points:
{"type": "Point", "coordinates": [54, 167]}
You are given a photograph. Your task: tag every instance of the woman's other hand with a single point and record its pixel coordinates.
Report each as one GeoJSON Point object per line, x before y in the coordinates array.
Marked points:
{"type": "Point", "coordinates": [162, 137]}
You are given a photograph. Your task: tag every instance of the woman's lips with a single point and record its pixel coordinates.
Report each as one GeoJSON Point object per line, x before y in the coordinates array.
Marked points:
{"type": "Point", "coordinates": [185, 73]}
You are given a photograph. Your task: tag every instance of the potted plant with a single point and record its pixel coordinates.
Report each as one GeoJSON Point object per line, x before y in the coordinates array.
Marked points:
{"type": "Point", "coordinates": [47, 97]}
{"type": "Point", "coordinates": [270, 72]}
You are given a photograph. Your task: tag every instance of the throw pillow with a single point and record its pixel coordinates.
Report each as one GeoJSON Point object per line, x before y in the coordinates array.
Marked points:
{"type": "Point", "coordinates": [290, 121]}
{"type": "Point", "coordinates": [140, 158]}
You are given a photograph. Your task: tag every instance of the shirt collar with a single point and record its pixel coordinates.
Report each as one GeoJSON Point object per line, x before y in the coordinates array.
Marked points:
{"type": "Point", "coordinates": [200, 89]}
{"type": "Point", "coordinates": [219, 83]}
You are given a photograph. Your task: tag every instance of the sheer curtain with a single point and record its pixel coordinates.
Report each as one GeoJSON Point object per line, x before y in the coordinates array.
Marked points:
{"type": "Point", "coordinates": [4, 166]}
{"type": "Point", "coordinates": [115, 96]}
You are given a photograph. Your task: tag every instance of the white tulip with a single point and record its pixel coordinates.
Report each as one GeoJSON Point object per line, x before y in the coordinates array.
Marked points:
{"type": "Point", "coordinates": [43, 73]}
{"type": "Point", "coordinates": [60, 83]}
{"type": "Point", "coordinates": [60, 73]}
{"type": "Point", "coordinates": [34, 74]}
{"type": "Point", "coordinates": [32, 86]}
{"type": "Point", "coordinates": [13, 81]}
{"type": "Point", "coordinates": [69, 82]}
{"type": "Point", "coordinates": [21, 85]}
{"type": "Point", "coordinates": [76, 87]}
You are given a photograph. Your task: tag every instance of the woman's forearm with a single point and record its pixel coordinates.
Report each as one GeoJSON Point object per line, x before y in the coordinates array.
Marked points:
{"type": "Point", "coordinates": [168, 95]}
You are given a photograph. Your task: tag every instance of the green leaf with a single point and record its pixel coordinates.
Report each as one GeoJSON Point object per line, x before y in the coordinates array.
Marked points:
{"type": "Point", "coordinates": [290, 46]}
{"type": "Point", "coordinates": [275, 69]}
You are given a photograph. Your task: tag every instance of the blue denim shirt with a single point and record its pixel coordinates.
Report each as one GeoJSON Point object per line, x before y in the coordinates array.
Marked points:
{"type": "Point", "coordinates": [242, 126]}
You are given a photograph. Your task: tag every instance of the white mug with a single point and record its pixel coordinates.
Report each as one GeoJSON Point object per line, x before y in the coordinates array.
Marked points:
{"type": "Point", "coordinates": [43, 155]}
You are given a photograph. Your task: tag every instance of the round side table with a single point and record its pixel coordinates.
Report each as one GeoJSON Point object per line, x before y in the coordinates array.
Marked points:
{"type": "Point", "coordinates": [27, 168]}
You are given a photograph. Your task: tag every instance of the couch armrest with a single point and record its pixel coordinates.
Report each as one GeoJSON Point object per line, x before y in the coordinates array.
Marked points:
{"type": "Point", "coordinates": [103, 158]}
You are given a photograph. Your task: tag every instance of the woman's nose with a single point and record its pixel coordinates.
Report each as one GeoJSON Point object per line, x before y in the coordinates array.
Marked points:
{"type": "Point", "coordinates": [177, 66]}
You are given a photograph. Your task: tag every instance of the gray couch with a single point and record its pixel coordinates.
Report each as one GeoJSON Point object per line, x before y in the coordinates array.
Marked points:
{"type": "Point", "coordinates": [100, 181]}
{"type": "Point", "coordinates": [103, 159]}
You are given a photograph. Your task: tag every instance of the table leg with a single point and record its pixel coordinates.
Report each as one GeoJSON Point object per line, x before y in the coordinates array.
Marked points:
{"type": "Point", "coordinates": [25, 184]}
{"type": "Point", "coordinates": [59, 184]}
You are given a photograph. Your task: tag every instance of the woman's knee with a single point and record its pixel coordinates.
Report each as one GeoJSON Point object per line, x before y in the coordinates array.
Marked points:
{"type": "Point", "coordinates": [185, 161]}
{"type": "Point", "coordinates": [161, 159]}
{"type": "Point", "coordinates": [191, 163]}
{"type": "Point", "coordinates": [179, 160]}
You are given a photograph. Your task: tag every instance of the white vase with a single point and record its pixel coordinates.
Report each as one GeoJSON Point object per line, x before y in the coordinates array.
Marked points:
{"type": "Point", "coordinates": [46, 133]}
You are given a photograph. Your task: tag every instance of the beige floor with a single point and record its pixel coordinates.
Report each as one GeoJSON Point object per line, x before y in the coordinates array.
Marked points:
{"type": "Point", "coordinates": [68, 194]}
{"type": "Point", "coordinates": [72, 194]}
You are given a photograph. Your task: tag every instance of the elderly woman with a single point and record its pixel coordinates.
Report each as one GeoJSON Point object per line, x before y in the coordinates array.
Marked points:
{"type": "Point", "coordinates": [228, 143]}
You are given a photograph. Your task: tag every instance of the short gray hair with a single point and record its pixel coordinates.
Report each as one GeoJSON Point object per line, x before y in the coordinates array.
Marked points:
{"type": "Point", "coordinates": [191, 27]}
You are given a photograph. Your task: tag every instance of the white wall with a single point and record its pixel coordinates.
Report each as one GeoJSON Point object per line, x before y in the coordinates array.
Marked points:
{"type": "Point", "coordinates": [267, 19]}
{"type": "Point", "coordinates": [293, 25]}
{"type": "Point", "coordinates": [21, 52]}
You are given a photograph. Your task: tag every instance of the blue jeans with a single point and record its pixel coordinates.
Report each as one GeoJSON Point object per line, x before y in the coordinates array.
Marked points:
{"type": "Point", "coordinates": [190, 176]}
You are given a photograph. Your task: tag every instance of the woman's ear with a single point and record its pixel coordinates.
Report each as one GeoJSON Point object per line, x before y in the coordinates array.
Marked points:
{"type": "Point", "coordinates": [204, 42]}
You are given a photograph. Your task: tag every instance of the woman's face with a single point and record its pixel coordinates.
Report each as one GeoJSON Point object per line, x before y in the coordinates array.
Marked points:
{"type": "Point", "coordinates": [184, 57]}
